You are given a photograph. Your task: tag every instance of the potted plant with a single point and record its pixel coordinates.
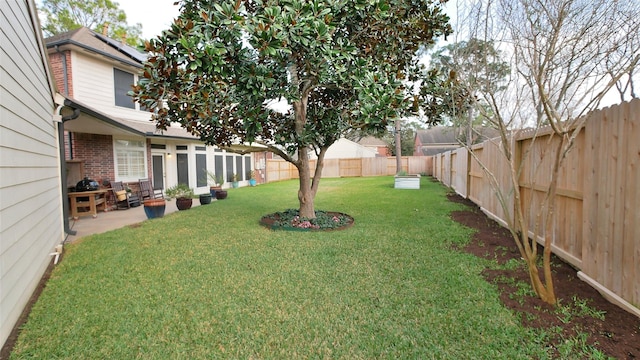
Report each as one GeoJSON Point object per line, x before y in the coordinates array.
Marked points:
{"type": "Point", "coordinates": [235, 178]}
{"type": "Point", "coordinates": [205, 199]}
{"type": "Point", "coordinates": [183, 195]}
{"type": "Point", "coordinates": [406, 181]}
{"type": "Point", "coordinates": [214, 183]}
{"type": "Point", "coordinates": [154, 208]}
{"type": "Point", "coordinates": [251, 174]}
{"type": "Point", "coordinates": [220, 193]}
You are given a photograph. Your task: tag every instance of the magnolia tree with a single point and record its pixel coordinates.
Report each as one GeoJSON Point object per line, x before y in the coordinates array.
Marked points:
{"type": "Point", "coordinates": [566, 55]}
{"type": "Point", "coordinates": [340, 65]}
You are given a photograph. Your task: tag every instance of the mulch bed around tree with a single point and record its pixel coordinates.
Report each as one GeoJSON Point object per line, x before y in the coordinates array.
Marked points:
{"type": "Point", "coordinates": [618, 335]}
{"type": "Point", "coordinates": [290, 221]}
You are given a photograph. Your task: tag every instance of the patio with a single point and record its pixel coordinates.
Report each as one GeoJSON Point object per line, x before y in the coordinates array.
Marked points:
{"type": "Point", "coordinates": [113, 219]}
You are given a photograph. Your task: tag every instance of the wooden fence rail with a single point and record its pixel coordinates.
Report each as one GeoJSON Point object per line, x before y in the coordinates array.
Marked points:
{"type": "Point", "coordinates": [278, 170]}
{"type": "Point", "coordinates": [596, 225]}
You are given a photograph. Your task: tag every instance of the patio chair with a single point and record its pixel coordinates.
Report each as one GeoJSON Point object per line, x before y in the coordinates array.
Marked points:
{"type": "Point", "coordinates": [148, 192]}
{"type": "Point", "coordinates": [124, 199]}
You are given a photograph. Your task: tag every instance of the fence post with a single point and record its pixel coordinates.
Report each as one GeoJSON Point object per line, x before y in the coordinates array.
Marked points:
{"type": "Point", "coordinates": [467, 173]}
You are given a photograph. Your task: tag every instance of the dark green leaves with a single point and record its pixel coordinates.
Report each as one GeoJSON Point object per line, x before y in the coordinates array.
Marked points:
{"type": "Point", "coordinates": [342, 63]}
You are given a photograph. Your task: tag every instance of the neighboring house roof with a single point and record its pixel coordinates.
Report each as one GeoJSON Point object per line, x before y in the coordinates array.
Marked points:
{"type": "Point", "coordinates": [485, 133]}
{"type": "Point", "coordinates": [371, 141]}
{"type": "Point", "coordinates": [92, 41]}
{"type": "Point", "coordinates": [437, 135]}
{"type": "Point", "coordinates": [443, 138]}
{"type": "Point", "coordinates": [435, 140]}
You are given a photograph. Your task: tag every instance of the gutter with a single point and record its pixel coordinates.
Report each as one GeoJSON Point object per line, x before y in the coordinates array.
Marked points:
{"type": "Point", "coordinates": [63, 166]}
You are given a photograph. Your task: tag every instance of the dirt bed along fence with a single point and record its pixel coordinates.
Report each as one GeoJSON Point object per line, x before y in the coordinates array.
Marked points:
{"type": "Point", "coordinates": [596, 225]}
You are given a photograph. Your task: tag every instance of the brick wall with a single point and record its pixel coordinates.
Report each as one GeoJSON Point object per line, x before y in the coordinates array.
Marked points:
{"type": "Point", "coordinates": [96, 151]}
{"type": "Point", "coordinates": [55, 59]}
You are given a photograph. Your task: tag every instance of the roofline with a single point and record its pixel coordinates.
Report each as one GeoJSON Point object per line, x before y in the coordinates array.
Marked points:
{"type": "Point", "coordinates": [162, 136]}
{"type": "Point", "coordinates": [100, 116]}
{"type": "Point", "coordinates": [115, 122]}
{"type": "Point", "coordinates": [83, 46]}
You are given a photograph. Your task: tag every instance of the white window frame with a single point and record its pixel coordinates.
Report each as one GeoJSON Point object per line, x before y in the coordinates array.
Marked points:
{"type": "Point", "coordinates": [127, 146]}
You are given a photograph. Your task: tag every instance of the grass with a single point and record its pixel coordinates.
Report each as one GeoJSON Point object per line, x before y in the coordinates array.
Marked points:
{"type": "Point", "coordinates": [211, 282]}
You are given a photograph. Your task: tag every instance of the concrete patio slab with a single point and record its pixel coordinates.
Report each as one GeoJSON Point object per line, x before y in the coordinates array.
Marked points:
{"type": "Point", "coordinates": [113, 219]}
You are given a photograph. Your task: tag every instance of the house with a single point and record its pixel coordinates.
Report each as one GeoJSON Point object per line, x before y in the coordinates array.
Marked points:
{"type": "Point", "coordinates": [444, 138]}
{"type": "Point", "coordinates": [112, 138]}
{"type": "Point", "coordinates": [374, 143]}
{"type": "Point", "coordinates": [346, 149]}
{"type": "Point", "coordinates": [435, 140]}
{"type": "Point", "coordinates": [31, 200]}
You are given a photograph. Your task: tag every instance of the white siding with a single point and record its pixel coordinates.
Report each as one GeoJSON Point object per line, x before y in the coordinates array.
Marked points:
{"type": "Point", "coordinates": [345, 149]}
{"type": "Point", "coordinates": [30, 190]}
{"type": "Point", "coordinates": [93, 86]}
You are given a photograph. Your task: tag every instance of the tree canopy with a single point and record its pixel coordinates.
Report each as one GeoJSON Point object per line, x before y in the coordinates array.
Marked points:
{"type": "Point", "coordinates": [65, 15]}
{"type": "Point", "coordinates": [340, 65]}
{"type": "Point", "coordinates": [458, 73]}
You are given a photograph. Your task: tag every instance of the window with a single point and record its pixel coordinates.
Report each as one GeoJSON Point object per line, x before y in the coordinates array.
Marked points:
{"type": "Point", "coordinates": [247, 167]}
{"type": "Point", "coordinates": [122, 84]}
{"type": "Point", "coordinates": [130, 159]}
{"type": "Point", "coordinates": [201, 167]}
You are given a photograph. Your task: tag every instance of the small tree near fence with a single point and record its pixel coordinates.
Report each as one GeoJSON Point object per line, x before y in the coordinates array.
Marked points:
{"type": "Point", "coordinates": [566, 56]}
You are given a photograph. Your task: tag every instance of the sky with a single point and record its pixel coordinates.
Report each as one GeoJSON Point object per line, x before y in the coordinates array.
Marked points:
{"type": "Point", "coordinates": [157, 15]}
{"type": "Point", "coordinates": [154, 15]}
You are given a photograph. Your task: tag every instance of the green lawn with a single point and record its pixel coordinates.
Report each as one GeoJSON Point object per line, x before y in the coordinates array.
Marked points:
{"type": "Point", "coordinates": [211, 283]}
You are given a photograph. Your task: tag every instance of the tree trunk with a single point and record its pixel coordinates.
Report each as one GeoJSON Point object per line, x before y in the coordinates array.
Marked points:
{"type": "Point", "coordinates": [306, 194]}
{"type": "Point", "coordinates": [398, 146]}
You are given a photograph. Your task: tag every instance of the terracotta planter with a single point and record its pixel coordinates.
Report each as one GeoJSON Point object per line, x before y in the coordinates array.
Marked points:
{"type": "Point", "coordinates": [184, 203]}
{"type": "Point", "coordinates": [154, 208]}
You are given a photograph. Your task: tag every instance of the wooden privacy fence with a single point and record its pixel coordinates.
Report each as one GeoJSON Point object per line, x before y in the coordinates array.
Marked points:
{"type": "Point", "coordinates": [596, 225]}
{"type": "Point", "coordinates": [278, 170]}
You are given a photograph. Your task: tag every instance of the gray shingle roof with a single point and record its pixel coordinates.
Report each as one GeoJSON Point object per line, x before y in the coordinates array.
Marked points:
{"type": "Point", "coordinates": [437, 135]}
{"type": "Point", "coordinates": [92, 41]}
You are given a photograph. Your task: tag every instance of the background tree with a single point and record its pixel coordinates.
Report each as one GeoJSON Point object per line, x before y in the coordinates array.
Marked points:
{"type": "Point", "coordinates": [407, 138]}
{"type": "Point", "coordinates": [457, 74]}
{"type": "Point", "coordinates": [566, 58]}
{"type": "Point", "coordinates": [341, 65]}
{"type": "Point", "coordinates": [65, 15]}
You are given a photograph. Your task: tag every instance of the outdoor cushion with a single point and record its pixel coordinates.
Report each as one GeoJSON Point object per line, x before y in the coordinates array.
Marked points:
{"type": "Point", "coordinates": [121, 195]}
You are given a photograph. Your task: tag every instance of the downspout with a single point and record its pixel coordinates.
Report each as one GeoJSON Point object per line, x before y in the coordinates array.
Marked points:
{"type": "Point", "coordinates": [63, 170]}
{"type": "Point", "coordinates": [63, 164]}
{"type": "Point", "coordinates": [65, 84]}
{"type": "Point", "coordinates": [65, 75]}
